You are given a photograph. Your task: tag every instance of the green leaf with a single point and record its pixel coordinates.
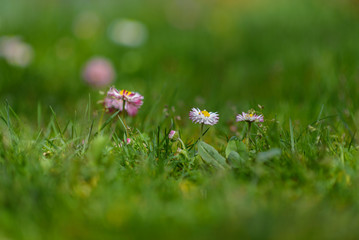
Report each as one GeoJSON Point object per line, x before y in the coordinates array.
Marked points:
{"type": "Point", "coordinates": [235, 160]}
{"type": "Point", "coordinates": [236, 145]}
{"type": "Point", "coordinates": [109, 120]}
{"type": "Point", "coordinates": [268, 155]}
{"type": "Point", "coordinates": [231, 147]}
{"type": "Point", "coordinates": [211, 156]}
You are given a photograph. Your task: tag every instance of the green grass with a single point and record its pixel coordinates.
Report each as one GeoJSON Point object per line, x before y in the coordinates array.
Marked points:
{"type": "Point", "coordinates": [73, 181]}
{"type": "Point", "coordinates": [66, 173]}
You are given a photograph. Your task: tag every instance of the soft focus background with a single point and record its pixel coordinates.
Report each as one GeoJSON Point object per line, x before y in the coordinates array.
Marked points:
{"type": "Point", "coordinates": [297, 58]}
{"type": "Point", "coordinates": [223, 55]}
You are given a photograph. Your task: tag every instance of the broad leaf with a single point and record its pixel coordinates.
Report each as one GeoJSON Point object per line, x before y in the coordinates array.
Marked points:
{"type": "Point", "coordinates": [235, 145]}
{"type": "Point", "coordinates": [211, 156]}
{"type": "Point", "coordinates": [235, 160]}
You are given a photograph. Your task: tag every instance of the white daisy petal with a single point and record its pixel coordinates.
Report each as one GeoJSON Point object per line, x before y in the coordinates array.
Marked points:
{"type": "Point", "coordinates": [249, 117]}
{"type": "Point", "coordinates": [203, 117]}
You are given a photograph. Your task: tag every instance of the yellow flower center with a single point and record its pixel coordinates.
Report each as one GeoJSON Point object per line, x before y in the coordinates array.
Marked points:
{"type": "Point", "coordinates": [205, 113]}
{"type": "Point", "coordinates": [125, 92]}
{"type": "Point", "coordinates": [251, 115]}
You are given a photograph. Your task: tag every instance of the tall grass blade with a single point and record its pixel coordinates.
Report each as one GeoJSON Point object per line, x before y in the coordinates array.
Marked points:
{"type": "Point", "coordinates": [291, 136]}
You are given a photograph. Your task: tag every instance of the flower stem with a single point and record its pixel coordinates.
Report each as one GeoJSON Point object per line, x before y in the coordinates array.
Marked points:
{"type": "Point", "coordinates": [183, 146]}
{"type": "Point", "coordinates": [124, 118]}
{"type": "Point", "coordinates": [249, 135]}
{"type": "Point", "coordinates": [201, 132]}
{"type": "Point", "coordinates": [124, 122]}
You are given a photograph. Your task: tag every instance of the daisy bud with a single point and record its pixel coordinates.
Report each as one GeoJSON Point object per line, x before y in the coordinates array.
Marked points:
{"type": "Point", "coordinates": [171, 134]}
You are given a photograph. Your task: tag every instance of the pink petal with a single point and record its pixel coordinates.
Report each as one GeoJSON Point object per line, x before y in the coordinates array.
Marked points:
{"type": "Point", "coordinates": [118, 104]}
{"type": "Point", "coordinates": [131, 109]}
{"type": "Point", "coordinates": [171, 134]}
{"type": "Point", "coordinates": [113, 92]}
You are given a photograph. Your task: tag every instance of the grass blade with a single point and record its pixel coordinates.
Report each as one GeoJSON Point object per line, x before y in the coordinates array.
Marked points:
{"type": "Point", "coordinates": [109, 120]}
{"type": "Point", "coordinates": [291, 135]}
{"type": "Point", "coordinates": [56, 122]}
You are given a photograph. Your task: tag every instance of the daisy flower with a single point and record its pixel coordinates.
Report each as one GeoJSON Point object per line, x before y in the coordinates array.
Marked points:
{"type": "Point", "coordinates": [123, 100]}
{"type": "Point", "coordinates": [203, 117]}
{"type": "Point", "coordinates": [133, 101]}
{"type": "Point", "coordinates": [249, 117]}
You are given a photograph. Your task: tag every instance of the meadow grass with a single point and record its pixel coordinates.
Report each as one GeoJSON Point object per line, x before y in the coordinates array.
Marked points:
{"type": "Point", "coordinates": [66, 171]}
{"type": "Point", "coordinates": [77, 179]}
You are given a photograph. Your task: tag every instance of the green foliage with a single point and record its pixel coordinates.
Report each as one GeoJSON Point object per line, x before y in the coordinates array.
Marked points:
{"type": "Point", "coordinates": [68, 172]}
{"type": "Point", "coordinates": [268, 155]}
{"type": "Point", "coordinates": [236, 152]}
{"type": "Point", "coordinates": [211, 156]}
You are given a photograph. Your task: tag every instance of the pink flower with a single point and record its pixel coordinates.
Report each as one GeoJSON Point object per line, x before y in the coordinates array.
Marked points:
{"type": "Point", "coordinates": [98, 72]}
{"type": "Point", "coordinates": [128, 141]}
{"type": "Point", "coordinates": [130, 101]}
{"type": "Point", "coordinates": [171, 134]}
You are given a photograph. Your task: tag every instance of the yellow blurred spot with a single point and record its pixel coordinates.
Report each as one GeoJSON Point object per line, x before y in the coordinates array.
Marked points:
{"type": "Point", "coordinates": [84, 188]}
{"type": "Point", "coordinates": [186, 188]}
{"type": "Point", "coordinates": [347, 180]}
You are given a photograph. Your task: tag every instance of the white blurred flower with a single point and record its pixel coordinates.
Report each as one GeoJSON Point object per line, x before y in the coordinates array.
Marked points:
{"type": "Point", "coordinates": [129, 33]}
{"type": "Point", "coordinates": [15, 51]}
{"type": "Point", "coordinates": [86, 25]}
{"type": "Point", "coordinates": [98, 72]}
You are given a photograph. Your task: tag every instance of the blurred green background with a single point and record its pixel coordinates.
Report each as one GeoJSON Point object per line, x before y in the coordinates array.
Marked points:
{"type": "Point", "coordinates": [224, 55]}
{"type": "Point", "coordinates": [294, 57]}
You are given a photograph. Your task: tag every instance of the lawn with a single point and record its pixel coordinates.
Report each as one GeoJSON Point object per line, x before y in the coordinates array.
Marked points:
{"type": "Point", "coordinates": [76, 164]}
